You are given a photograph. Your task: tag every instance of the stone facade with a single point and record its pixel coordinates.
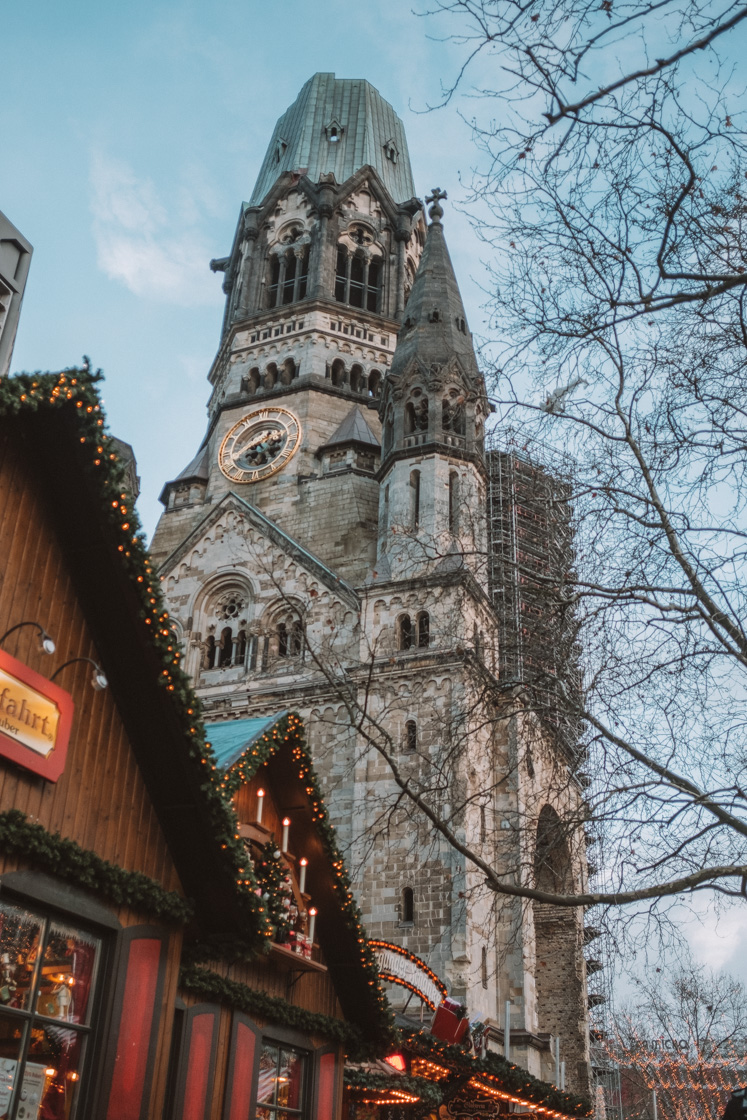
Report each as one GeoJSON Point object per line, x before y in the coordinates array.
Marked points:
{"type": "Point", "coordinates": [325, 551]}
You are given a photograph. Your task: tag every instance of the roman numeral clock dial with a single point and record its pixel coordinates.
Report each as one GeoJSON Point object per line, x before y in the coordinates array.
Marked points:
{"type": "Point", "coordinates": [260, 444]}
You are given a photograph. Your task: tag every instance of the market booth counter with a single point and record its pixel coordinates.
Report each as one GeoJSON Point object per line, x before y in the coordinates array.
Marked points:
{"type": "Point", "coordinates": [147, 967]}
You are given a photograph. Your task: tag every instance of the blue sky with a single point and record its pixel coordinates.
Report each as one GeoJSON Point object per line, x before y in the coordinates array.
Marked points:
{"type": "Point", "coordinates": [136, 131]}
{"type": "Point", "coordinates": [131, 134]}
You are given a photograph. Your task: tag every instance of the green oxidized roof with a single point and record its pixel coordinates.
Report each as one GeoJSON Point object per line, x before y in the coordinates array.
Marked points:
{"type": "Point", "coordinates": [368, 123]}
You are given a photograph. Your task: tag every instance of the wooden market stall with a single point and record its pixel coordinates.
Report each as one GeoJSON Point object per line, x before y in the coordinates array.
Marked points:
{"type": "Point", "coordinates": [146, 964]}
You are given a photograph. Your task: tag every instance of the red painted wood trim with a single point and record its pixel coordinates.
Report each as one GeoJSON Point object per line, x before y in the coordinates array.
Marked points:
{"type": "Point", "coordinates": [242, 1079]}
{"type": "Point", "coordinates": [135, 1029]}
{"type": "Point", "coordinates": [325, 1095]}
{"type": "Point", "coordinates": [199, 1072]}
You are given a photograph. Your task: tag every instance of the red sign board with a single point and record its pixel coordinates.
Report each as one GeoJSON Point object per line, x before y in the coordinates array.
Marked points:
{"type": "Point", "coordinates": [35, 719]}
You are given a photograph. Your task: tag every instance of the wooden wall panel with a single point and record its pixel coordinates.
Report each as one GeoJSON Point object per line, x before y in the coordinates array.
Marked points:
{"type": "Point", "coordinates": [100, 801]}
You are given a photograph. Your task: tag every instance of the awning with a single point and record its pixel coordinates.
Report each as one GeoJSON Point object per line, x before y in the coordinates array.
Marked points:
{"type": "Point", "coordinates": [231, 738]}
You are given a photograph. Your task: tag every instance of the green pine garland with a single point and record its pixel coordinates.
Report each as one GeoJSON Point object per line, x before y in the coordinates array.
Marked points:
{"type": "Point", "coordinates": [208, 985]}
{"type": "Point", "coordinates": [67, 860]}
{"type": "Point", "coordinates": [429, 1092]}
{"type": "Point", "coordinates": [514, 1079]}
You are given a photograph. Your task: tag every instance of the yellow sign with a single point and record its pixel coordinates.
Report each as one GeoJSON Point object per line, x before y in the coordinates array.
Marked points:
{"type": "Point", "coordinates": [35, 719]}
{"type": "Point", "coordinates": [27, 716]}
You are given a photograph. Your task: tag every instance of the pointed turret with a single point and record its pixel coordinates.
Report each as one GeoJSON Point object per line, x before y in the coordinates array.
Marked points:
{"type": "Point", "coordinates": [435, 326]}
{"type": "Point", "coordinates": [433, 411]}
{"type": "Point", "coordinates": [434, 392]}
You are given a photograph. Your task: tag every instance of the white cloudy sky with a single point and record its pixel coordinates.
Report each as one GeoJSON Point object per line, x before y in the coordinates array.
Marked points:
{"type": "Point", "coordinates": [131, 134]}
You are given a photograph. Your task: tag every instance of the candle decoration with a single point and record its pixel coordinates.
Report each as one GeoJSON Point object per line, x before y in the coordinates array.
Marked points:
{"type": "Point", "coordinates": [260, 804]}
{"type": "Point", "coordinates": [302, 876]}
{"type": "Point", "coordinates": [286, 829]}
{"type": "Point", "coordinates": [312, 924]}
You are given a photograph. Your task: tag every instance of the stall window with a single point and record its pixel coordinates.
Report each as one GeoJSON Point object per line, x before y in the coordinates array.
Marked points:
{"type": "Point", "coordinates": [282, 1091]}
{"type": "Point", "coordinates": [48, 976]}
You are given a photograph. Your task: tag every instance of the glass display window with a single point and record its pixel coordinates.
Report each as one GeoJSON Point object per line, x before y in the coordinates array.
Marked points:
{"type": "Point", "coordinates": [48, 976]}
{"type": "Point", "coordinates": [281, 1091]}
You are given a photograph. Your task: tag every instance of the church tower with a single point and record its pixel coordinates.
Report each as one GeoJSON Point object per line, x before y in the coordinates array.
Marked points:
{"type": "Point", "coordinates": [325, 551]}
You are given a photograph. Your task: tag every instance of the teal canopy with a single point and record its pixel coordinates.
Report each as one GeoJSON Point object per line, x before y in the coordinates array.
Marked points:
{"type": "Point", "coordinates": [231, 738]}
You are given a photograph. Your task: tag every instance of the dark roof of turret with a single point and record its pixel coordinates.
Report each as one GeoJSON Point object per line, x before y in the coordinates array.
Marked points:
{"type": "Point", "coordinates": [353, 429]}
{"type": "Point", "coordinates": [435, 325]}
{"type": "Point", "coordinates": [368, 130]}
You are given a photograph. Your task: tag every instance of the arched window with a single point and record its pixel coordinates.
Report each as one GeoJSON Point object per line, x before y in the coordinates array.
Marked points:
{"type": "Point", "coordinates": [356, 378]}
{"type": "Point", "coordinates": [358, 270]}
{"type": "Point", "coordinates": [271, 376]}
{"type": "Point", "coordinates": [411, 735]}
{"type": "Point", "coordinates": [407, 905]}
{"type": "Point", "coordinates": [210, 650]}
{"type": "Point", "coordinates": [414, 499]}
{"type": "Point", "coordinates": [416, 415]}
{"type": "Point", "coordinates": [404, 632]}
{"type": "Point", "coordinates": [296, 638]}
{"type": "Point", "coordinates": [374, 383]}
{"type": "Point", "coordinates": [225, 654]}
{"type": "Point", "coordinates": [453, 502]}
{"type": "Point", "coordinates": [424, 629]}
{"type": "Point", "coordinates": [253, 380]}
{"type": "Point", "coordinates": [289, 269]}
{"type": "Point", "coordinates": [241, 647]}
{"type": "Point", "coordinates": [283, 644]}
{"type": "Point", "coordinates": [338, 372]}
{"type": "Point", "coordinates": [288, 371]}
{"type": "Point", "coordinates": [452, 413]}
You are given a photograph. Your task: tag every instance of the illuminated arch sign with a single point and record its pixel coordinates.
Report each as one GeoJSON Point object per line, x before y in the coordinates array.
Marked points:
{"type": "Point", "coordinates": [398, 966]}
{"type": "Point", "coordinates": [35, 719]}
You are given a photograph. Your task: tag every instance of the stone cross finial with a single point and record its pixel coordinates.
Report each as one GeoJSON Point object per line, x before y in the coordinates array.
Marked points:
{"type": "Point", "coordinates": [435, 213]}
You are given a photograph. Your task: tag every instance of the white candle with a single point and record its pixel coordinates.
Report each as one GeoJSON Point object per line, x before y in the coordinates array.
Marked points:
{"type": "Point", "coordinates": [312, 923]}
{"type": "Point", "coordinates": [302, 878]}
{"type": "Point", "coordinates": [260, 804]}
{"type": "Point", "coordinates": [286, 829]}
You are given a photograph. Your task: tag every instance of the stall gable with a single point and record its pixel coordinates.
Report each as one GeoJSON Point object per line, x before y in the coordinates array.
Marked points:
{"type": "Point", "coordinates": [100, 800]}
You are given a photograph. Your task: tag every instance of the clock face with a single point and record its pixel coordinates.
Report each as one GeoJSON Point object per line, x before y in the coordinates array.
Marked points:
{"type": "Point", "coordinates": [260, 444]}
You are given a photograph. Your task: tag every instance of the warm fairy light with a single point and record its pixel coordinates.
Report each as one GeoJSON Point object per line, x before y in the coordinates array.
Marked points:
{"type": "Point", "coordinates": [421, 1067]}
{"type": "Point", "coordinates": [50, 1072]}
{"type": "Point", "coordinates": [72, 1076]}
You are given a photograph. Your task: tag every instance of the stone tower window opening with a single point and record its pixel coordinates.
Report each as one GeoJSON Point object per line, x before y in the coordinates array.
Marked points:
{"type": "Point", "coordinates": [453, 502]}
{"type": "Point", "coordinates": [414, 499]}
{"type": "Point", "coordinates": [289, 269]}
{"type": "Point", "coordinates": [416, 414]}
{"type": "Point", "coordinates": [411, 735]}
{"type": "Point", "coordinates": [423, 628]}
{"type": "Point", "coordinates": [374, 384]}
{"type": "Point", "coordinates": [407, 906]}
{"type": "Point", "coordinates": [390, 151]}
{"type": "Point", "coordinates": [452, 414]}
{"type": "Point", "coordinates": [484, 967]}
{"type": "Point", "coordinates": [285, 637]}
{"type": "Point", "coordinates": [405, 632]}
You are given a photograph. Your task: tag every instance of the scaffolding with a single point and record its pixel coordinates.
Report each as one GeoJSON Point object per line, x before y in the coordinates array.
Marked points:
{"type": "Point", "coordinates": [530, 567]}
